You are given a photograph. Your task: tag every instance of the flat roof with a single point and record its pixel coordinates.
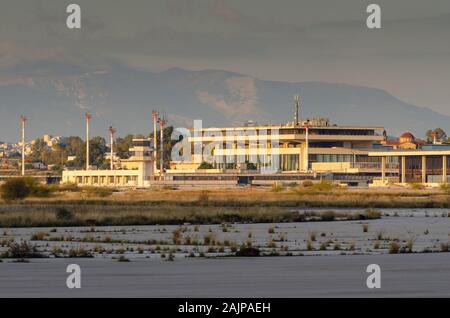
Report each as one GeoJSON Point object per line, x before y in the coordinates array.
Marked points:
{"type": "Point", "coordinates": [409, 152]}
{"type": "Point", "coordinates": [292, 127]}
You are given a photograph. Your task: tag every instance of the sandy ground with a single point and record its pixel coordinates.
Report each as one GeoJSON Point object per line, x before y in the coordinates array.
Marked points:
{"type": "Point", "coordinates": [403, 275]}
{"type": "Point", "coordinates": [330, 272]}
{"type": "Point", "coordinates": [426, 229]}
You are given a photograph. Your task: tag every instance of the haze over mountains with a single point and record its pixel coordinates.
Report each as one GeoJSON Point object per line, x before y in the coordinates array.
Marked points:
{"type": "Point", "coordinates": [55, 96]}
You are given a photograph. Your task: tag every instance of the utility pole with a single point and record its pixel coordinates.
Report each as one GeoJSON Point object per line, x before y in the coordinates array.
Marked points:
{"type": "Point", "coordinates": [112, 131]}
{"type": "Point", "coordinates": [88, 120]}
{"type": "Point", "coordinates": [162, 122]}
{"type": "Point", "coordinates": [155, 146]}
{"type": "Point", "coordinates": [23, 120]}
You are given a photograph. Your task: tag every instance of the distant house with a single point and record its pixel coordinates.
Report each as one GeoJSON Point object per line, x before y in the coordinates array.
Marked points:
{"type": "Point", "coordinates": [405, 141]}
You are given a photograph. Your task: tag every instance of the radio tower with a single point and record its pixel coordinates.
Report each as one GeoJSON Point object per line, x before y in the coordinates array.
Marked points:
{"type": "Point", "coordinates": [23, 120]}
{"type": "Point", "coordinates": [112, 131]}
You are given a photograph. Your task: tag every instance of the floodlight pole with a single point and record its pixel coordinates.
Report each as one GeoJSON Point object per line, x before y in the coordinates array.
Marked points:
{"type": "Point", "coordinates": [155, 140]}
{"type": "Point", "coordinates": [88, 120]}
{"type": "Point", "coordinates": [23, 120]}
{"type": "Point", "coordinates": [112, 131]}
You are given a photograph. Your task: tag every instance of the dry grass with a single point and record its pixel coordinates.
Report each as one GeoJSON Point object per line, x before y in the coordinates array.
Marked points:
{"type": "Point", "coordinates": [37, 215]}
{"type": "Point", "coordinates": [318, 195]}
{"type": "Point", "coordinates": [394, 247]}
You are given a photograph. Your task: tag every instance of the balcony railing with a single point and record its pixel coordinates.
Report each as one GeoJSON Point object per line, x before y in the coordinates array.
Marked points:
{"type": "Point", "coordinates": [374, 166]}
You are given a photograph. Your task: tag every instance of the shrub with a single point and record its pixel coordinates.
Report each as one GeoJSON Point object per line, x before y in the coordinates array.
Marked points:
{"type": "Point", "coordinates": [444, 247]}
{"type": "Point", "coordinates": [307, 184]}
{"type": "Point", "coordinates": [445, 187]}
{"type": "Point", "coordinates": [277, 188]}
{"type": "Point", "coordinates": [372, 214]}
{"type": "Point", "coordinates": [98, 191]}
{"type": "Point", "coordinates": [365, 227]}
{"type": "Point", "coordinates": [416, 186]}
{"type": "Point", "coordinates": [63, 214]}
{"type": "Point", "coordinates": [328, 216]}
{"type": "Point", "coordinates": [123, 259]}
{"type": "Point", "coordinates": [177, 236]}
{"type": "Point", "coordinates": [271, 230]}
{"type": "Point", "coordinates": [323, 185]}
{"type": "Point", "coordinates": [79, 252]}
{"type": "Point", "coordinates": [16, 189]}
{"type": "Point", "coordinates": [39, 236]}
{"type": "Point", "coordinates": [205, 165]}
{"type": "Point", "coordinates": [23, 250]}
{"type": "Point", "coordinates": [380, 234]}
{"type": "Point", "coordinates": [271, 243]}
{"type": "Point", "coordinates": [394, 247]}
{"type": "Point", "coordinates": [248, 252]}
{"type": "Point", "coordinates": [209, 239]}
{"type": "Point", "coordinates": [410, 244]}
{"type": "Point", "coordinates": [352, 246]}
{"type": "Point", "coordinates": [323, 246]}
{"type": "Point", "coordinates": [312, 235]}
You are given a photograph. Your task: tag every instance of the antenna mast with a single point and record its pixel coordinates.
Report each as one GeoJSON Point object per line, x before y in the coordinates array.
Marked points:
{"type": "Point", "coordinates": [297, 109]}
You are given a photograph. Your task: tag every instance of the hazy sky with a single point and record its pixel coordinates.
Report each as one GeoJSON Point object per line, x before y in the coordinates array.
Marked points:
{"type": "Point", "coordinates": [287, 40]}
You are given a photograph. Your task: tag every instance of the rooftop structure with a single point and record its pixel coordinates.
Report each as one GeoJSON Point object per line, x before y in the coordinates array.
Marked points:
{"type": "Point", "coordinates": [137, 171]}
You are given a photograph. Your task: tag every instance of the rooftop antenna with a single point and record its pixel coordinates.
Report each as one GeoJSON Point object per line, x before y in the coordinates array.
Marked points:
{"type": "Point", "coordinates": [297, 109]}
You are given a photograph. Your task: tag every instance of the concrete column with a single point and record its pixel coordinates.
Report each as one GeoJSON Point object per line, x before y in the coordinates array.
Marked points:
{"type": "Point", "coordinates": [383, 169]}
{"type": "Point", "coordinates": [424, 169]}
{"type": "Point", "coordinates": [403, 178]}
{"type": "Point", "coordinates": [444, 169]}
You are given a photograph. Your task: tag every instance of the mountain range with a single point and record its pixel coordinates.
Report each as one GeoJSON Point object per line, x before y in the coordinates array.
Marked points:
{"type": "Point", "coordinates": [54, 96]}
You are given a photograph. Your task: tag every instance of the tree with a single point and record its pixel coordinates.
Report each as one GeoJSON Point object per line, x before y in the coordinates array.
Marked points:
{"type": "Point", "coordinates": [168, 144]}
{"type": "Point", "coordinates": [251, 165]}
{"type": "Point", "coordinates": [205, 165]}
{"type": "Point", "coordinates": [123, 145]}
{"type": "Point", "coordinates": [440, 135]}
{"type": "Point", "coordinates": [97, 150]}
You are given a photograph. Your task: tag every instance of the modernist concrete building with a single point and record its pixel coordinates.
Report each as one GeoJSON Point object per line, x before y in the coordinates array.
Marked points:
{"type": "Point", "coordinates": [310, 146]}
{"type": "Point", "coordinates": [427, 165]}
{"type": "Point", "coordinates": [137, 171]}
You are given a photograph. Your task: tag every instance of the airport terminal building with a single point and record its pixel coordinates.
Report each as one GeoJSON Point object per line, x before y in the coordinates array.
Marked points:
{"type": "Point", "coordinates": [252, 154]}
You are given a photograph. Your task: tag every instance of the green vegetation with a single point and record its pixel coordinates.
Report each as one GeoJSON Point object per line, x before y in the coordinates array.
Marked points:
{"type": "Point", "coordinates": [23, 187]}
{"type": "Point", "coordinates": [205, 165]}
